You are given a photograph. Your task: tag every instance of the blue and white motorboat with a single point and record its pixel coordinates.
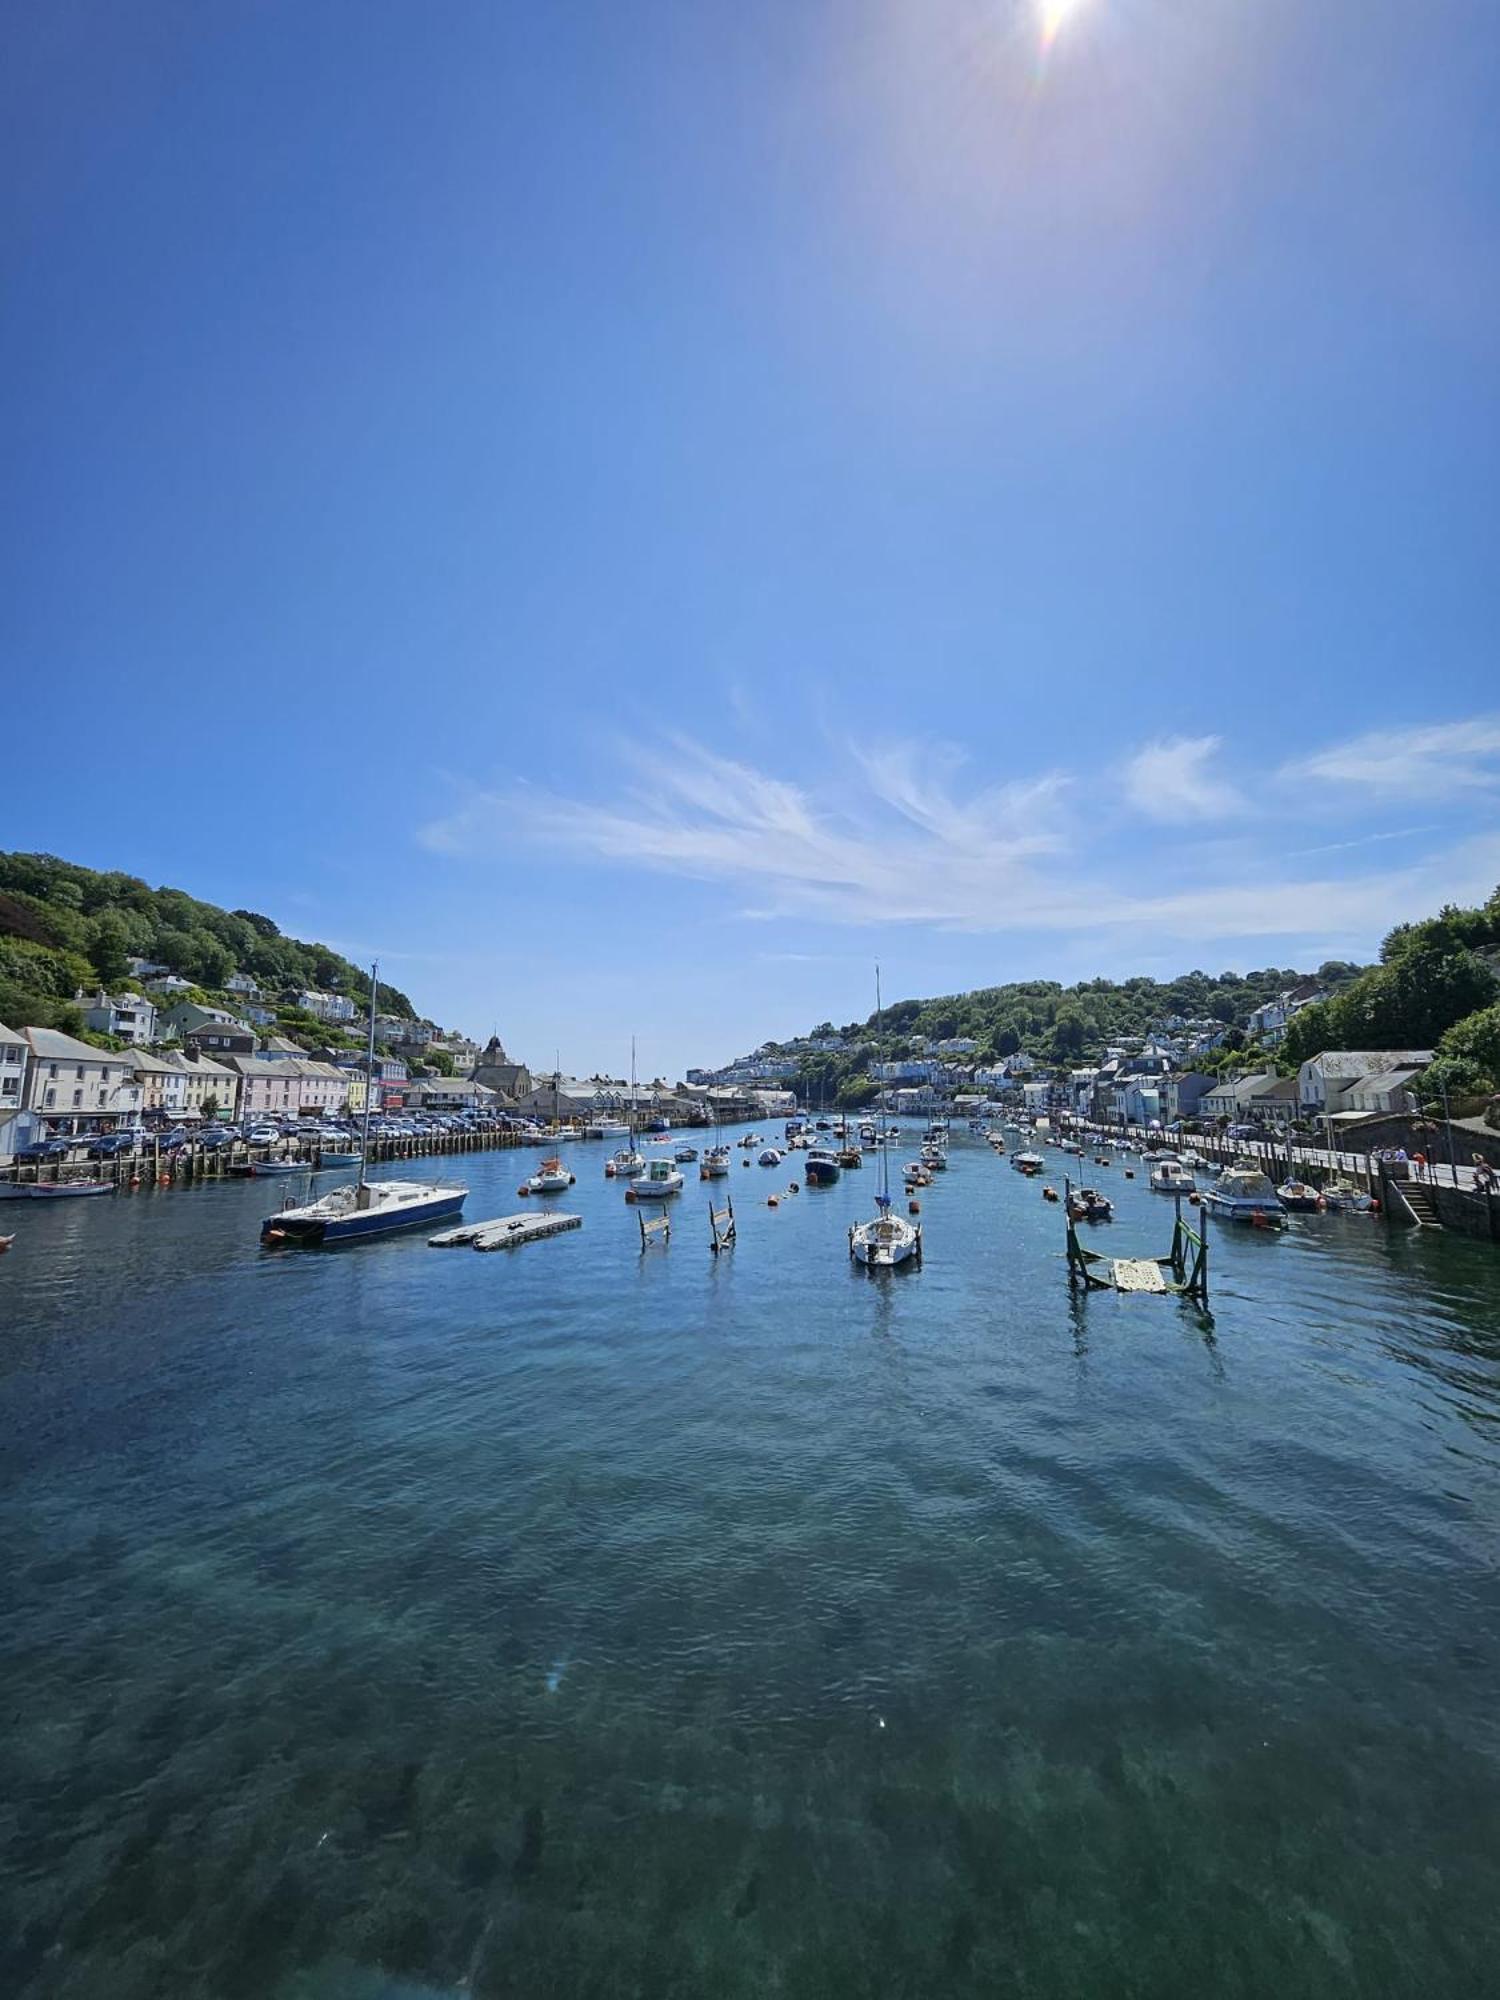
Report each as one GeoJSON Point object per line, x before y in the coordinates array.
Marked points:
{"type": "Point", "coordinates": [821, 1167]}
{"type": "Point", "coordinates": [365, 1208]}
{"type": "Point", "coordinates": [362, 1208]}
{"type": "Point", "coordinates": [1242, 1193]}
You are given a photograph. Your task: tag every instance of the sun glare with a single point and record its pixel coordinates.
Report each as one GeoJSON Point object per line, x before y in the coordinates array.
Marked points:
{"type": "Point", "coordinates": [1055, 16]}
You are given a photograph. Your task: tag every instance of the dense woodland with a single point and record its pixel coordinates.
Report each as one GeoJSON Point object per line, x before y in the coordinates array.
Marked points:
{"type": "Point", "coordinates": [63, 928]}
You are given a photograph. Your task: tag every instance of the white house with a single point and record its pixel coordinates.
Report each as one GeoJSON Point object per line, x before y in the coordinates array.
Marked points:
{"type": "Point", "coordinates": [1233, 1096]}
{"type": "Point", "coordinates": [329, 1007]}
{"type": "Point", "coordinates": [125, 1015]}
{"type": "Point", "coordinates": [241, 982]}
{"type": "Point", "coordinates": [169, 985]}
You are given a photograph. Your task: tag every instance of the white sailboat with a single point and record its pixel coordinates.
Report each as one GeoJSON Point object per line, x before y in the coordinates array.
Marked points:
{"type": "Point", "coordinates": [629, 1161]}
{"type": "Point", "coordinates": [887, 1239]}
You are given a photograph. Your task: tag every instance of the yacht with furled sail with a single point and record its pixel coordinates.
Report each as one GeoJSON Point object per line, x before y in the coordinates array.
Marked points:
{"type": "Point", "coordinates": [365, 1208]}
{"type": "Point", "coordinates": [888, 1239]}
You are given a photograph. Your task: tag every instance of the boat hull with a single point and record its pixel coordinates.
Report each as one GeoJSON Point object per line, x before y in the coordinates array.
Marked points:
{"type": "Point", "coordinates": [820, 1173]}
{"type": "Point", "coordinates": [357, 1227]}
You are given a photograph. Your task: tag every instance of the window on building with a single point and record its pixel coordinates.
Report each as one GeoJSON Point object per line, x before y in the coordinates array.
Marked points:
{"type": "Point", "coordinates": [77, 1099]}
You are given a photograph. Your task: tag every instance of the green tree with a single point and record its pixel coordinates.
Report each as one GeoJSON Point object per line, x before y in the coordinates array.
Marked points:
{"type": "Point", "coordinates": [1476, 1040]}
{"type": "Point", "coordinates": [109, 947]}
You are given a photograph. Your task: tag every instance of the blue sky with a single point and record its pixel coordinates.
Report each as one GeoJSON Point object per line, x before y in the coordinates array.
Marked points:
{"type": "Point", "coordinates": [632, 511]}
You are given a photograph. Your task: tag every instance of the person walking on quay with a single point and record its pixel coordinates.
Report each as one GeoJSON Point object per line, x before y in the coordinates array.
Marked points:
{"type": "Point", "coordinates": [1484, 1175]}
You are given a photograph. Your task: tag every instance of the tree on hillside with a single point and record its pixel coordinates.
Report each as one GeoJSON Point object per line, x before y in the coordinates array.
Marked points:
{"type": "Point", "coordinates": [1476, 1040]}
{"type": "Point", "coordinates": [109, 947]}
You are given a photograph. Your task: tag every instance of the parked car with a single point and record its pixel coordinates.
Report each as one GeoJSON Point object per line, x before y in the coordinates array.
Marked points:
{"type": "Point", "coordinates": [46, 1149]}
{"type": "Point", "coordinates": [263, 1135]}
{"type": "Point", "coordinates": [111, 1145]}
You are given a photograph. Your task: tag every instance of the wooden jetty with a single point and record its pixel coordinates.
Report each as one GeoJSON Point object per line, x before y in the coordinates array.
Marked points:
{"type": "Point", "coordinates": [503, 1232]}
{"type": "Point", "coordinates": [1182, 1273]}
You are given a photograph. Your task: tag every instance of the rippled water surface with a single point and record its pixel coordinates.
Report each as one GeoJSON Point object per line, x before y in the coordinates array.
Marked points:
{"type": "Point", "coordinates": [390, 1623]}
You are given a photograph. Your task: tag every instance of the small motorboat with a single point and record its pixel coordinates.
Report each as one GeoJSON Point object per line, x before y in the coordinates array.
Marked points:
{"type": "Point", "coordinates": [715, 1163]}
{"type": "Point", "coordinates": [1088, 1205]}
{"type": "Point", "coordinates": [551, 1177]}
{"type": "Point", "coordinates": [751, 1139]}
{"type": "Point", "coordinates": [627, 1163]}
{"type": "Point", "coordinates": [1243, 1193]}
{"type": "Point", "coordinates": [281, 1167]}
{"type": "Point", "coordinates": [821, 1167]}
{"type": "Point", "coordinates": [1344, 1198]}
{"type": "Point", "coordinates": [1029, 1164]}
{"type": "Point", "coordinates": [1300, 1197]}
{"type": "Point", "coordinates": [339, 1159]}
{"type": "Point", "coordinates": [1170, 1176]}
{"type": "Point", "coordinates": [771, 1157]}
{"type": "Point", "coordinates": [934, 1159]}
{"type": "Point", "coordinates": [660, 1181]}
{"type": "Point", "coordinates": [685, 1156]}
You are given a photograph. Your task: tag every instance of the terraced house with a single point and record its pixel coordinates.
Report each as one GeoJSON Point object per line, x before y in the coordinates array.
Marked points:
{"type": "Point", "coordinates": [74, 1089]}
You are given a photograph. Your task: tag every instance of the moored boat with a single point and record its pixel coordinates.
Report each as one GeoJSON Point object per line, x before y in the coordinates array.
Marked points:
{"type": "Point", "coordinates": [627, 1163]}
{"type": "Point", "coordinates": [1243, 1193]}
{"type": "Point", "coordinates": [363, 1208]}
{"type": "Point", "coordinates": [660, 1181]}
{"type": "Point", "coordinates": [715, 1163]}
{"type": "Point", "coordinates": [551, 1177]}
{"type": "Point", "coordinates": [1300, 1197]}
{"type": "Point", "coordinates": [821, 1167]}
{"type": "Point", "coordinates": [1029, 1164]}
{"type": "Point", "coordinates": [887, 1241]}
{"type": "Point", "coordinates": [1170, 1176]}
{"type": "Point", "coordinates": [1088, 1205]}
{"type": "Point", "coordinates": [771, 1157]}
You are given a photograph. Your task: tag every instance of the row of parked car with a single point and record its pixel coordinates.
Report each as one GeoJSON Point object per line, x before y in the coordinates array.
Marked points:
{"type": "Point", "coordinates": [268, 1132]}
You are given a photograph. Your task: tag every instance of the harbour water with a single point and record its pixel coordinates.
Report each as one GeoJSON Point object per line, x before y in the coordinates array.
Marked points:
{"type": "Point", "coordinates": [394, 1622]}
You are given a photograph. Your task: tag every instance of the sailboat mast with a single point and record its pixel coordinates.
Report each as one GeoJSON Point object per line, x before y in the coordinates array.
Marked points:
{"type": "Point", "coordinates": [364, 1136]}
{"type": "Point", "coordinates": [885, 1133]}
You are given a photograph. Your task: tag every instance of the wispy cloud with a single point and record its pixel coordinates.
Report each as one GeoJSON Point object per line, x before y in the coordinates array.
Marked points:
{"type": "Point", "coordinates": [909, 843]}
{"type": "Point", "coordinates": [1410, 763]}
{"type": "Point", "coordinates": [1171, 781]}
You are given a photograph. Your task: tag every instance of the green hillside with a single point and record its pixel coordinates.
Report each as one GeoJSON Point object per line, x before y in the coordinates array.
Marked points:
{"type": "Point", "coordinates": [63, 927]}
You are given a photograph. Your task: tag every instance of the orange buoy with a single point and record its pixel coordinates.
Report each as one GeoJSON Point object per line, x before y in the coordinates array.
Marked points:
{"type": "Point", "coordinates": [772, 1201]}
{"type": "Point", "coordinates": [523, 1189]}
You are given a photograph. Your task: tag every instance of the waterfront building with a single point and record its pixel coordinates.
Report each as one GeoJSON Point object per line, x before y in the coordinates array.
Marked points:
{"type": "Point", "coordinates": [1232, 1097]}
{"type": "Point", "coordinates": [1325, 1082]}
{"type": "Point", "coordinates": [15, 1057]}
{"type": "Point", "coordinates": [450, 1093]}
{"type": "Point", "coordinates": [176, 1086]}
{"type": "Point", "coordinates": [73, 1088]}
{"type": "Point", "coordinates": [126, 1016]}
{"type": "Point", "coordinates": [288, 1088]}
{"type": "Point", "coordinates": [497, 1072]}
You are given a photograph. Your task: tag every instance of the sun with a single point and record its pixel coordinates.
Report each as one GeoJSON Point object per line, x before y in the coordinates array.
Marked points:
{"type": "Point", "coordinates": [1055, 16]}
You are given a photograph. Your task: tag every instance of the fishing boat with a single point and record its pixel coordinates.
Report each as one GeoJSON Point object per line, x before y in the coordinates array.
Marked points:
{"type": "Point", "coordinates": [1088, 1205]}
{"type": "Point", "coordinates": [1170, 1176]}
{"type": "Point", "coordinates": [551, 1177]}
{"type": "Point", "coordinates": [660, 1181]}
{"type": "Point", "coordinates": [1242, 1193]}
{"type": "Point", "coordinates": [363, 1208]}
{"type": "Point", "coordinates": [1300, 1197]}
{"type": "Point", "coordinates": [850, 1156]}
{"type": "Point", "coordinates": [821, 1167]}
{"type": "Point", "coordinates": [888, 1240]}
{"type": "Point", "coordinates": [1029, 1164]}
{"type": "Point", "coordinates": [934, 1158]}
{"type": "Point", "coordinates": [715, 1163]}
{"type": "Point", "coordinates": [916, 1175]}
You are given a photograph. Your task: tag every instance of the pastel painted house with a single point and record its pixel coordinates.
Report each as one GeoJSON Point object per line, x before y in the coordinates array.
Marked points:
{"type": "Point", "coordinates": [74, 1088]}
